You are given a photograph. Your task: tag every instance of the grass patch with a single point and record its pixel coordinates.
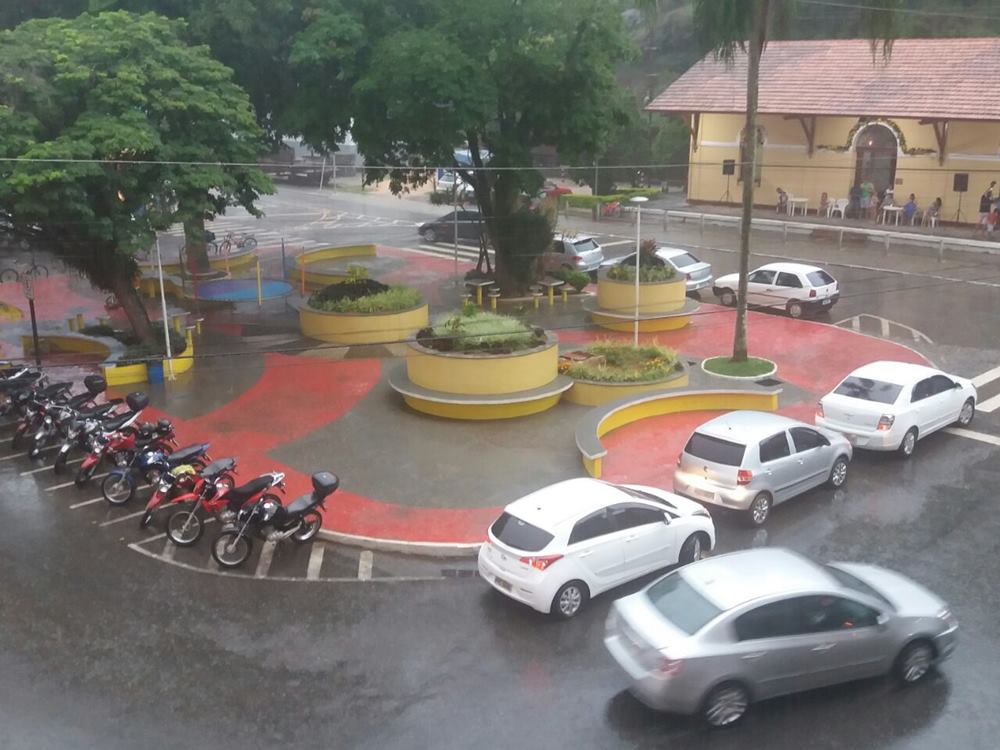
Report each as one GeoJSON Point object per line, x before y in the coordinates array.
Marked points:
{"type": "Point", "coordinates": [753, 367]}
{"type": "Point", "coordinates": [393, 299]}
{"type": "Point", "coordinates": [625, 363]}
{"type": "Point", "coordinates": [472, 330]}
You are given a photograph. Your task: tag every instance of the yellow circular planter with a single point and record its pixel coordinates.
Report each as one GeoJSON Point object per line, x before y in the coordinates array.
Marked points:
{"type": "Point", "coordinates": [589, 393]}
{"type": "Point", "coordinates": [654, 297]}
{"type": "Point", "coordinates": [361, 328]}
{"type": "Point", "coordinates": [483, 374]}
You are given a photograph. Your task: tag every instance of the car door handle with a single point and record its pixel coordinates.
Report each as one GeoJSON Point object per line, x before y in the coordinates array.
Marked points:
{"type": "Point", "coordinates": [588, 553]}
{"type": "Point", "coordinates": [753, 656]}
{"type": "Point", "coordinates": [823, 647]}
{"type": "Point", "coordinates": [801, 461]}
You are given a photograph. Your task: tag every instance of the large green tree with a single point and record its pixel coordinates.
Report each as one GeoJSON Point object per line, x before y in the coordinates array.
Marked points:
{"type": "Point", "coordinates": [112, 127]}
{"type": "Point", "coordinates": [731, 27]}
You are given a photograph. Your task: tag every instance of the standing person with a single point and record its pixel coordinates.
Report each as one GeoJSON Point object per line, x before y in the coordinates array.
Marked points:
{"type": "Point", "coordinates": [869, 201]}
{"type": "Point", "coordinates": [782, 206]}
{"type": "Point", "coordinates": [985, 204]}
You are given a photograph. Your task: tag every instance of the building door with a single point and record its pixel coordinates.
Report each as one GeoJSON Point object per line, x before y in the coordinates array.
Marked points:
{"type": "Point", "coordinates": [876, 150]}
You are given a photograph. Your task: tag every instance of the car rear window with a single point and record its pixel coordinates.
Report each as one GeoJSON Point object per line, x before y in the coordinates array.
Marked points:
{"type": "Point", "coordinates": [683, 260]}
{"type": "Point", "coordinates": [819, 278]}
{"type": "Point", "coordinates": [869, 390]}
{"type": "Point", "coordinates": [680, 603]}
{"type": "Point", "coordinates": [585, 246]}
{"type": "Point", "coordinates": [519, 534]}
{"type": "Point", "coordinates": [715, 449]}
{"type": "Point", "coordinates": [848, 581]}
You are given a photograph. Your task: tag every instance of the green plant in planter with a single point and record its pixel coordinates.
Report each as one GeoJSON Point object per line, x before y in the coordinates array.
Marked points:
{"type": "Point", "coordinates": [626, 363]}
{"type": "Point", "coordinates": [393, 299]}
{"type": "Point", "coordinates": [576, 279]}
{"type": "Point", "coordinates": [482, 331]}
{"type": "Point", "coordinates": [647, 274]}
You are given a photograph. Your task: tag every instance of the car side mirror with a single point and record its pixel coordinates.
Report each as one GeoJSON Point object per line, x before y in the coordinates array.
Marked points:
{"type": "Point", "coordinates": [882, 620]}
{"type": "Point", "coordinates": [666, 518]}
{"type": "Point", "coordinates": [956, 385]}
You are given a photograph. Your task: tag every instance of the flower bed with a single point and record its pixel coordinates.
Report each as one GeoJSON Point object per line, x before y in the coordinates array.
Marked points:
{"type": "Point", "coordinates": [616, 368]}
{"type": "Point", "coordinates": [473, 331]}
{"type": "Point", "coordinates": [362, 311]}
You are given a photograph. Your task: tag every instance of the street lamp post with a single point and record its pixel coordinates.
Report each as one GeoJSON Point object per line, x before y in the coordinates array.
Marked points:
{"type": "Point", "coordinates": [638, 200]}
{"type": "Point", "coordinates": [28, 280]}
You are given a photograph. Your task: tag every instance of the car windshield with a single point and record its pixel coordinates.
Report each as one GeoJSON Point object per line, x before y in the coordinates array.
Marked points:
{"type": "Point", "coordinates": [680, 603]}
{"type": "Point", "coordinates": [684, 260]}
{"type": "Point", "coordinates": [848, 581]}
{"type": "Point", "coordinates": [640, 495]}
{"type": "Point", "coordinates": [819, 278]}
{"type": "Point", "coordinates": [869, 390]}
{"type": "Point", "coordinates": [519, 534]}
{"type": "Point", "coordinates": [585, 246]}
{"type": "Point", "coordinates": [715, 449]}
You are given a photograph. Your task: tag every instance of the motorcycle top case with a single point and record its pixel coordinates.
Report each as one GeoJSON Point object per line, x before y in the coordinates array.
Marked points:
{"type": "Point", "coordinates": [137, 400]}
{"type": "Point", "coordinates": [324, 483]}
{"type": "Point", "coordinates": [95, 384]}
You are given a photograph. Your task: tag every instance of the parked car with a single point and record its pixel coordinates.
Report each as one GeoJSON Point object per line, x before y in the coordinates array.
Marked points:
{"type": "Point", "coordinates": [551, 189]}
{"type": "Point", "coordinates": [715, 636]}
{"type": "Point", "coordinates": [561, 545]}
{"type": "Point", "coordinates": [698, 272]}
{"type": "Point", "coordinates": [886, 406]}
{"type": "Point", "coordinates": [450, 180]}
{"type": "Point", "coordinates": [469, 224]}
{"type": "Point", "coordinates": [795, 288]}
{"type": "Point", "coordinates": [579, 252]}
{"type": "Point", "coordinates": [752, 460]}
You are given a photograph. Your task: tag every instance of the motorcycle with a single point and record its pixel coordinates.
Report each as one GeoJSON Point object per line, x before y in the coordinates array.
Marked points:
{"type": "Point", "coordinates": [271, 521]}
{"type": "Point", "coordinates": [80, 429]}
{"type": "Point", "coordinates": [119, 438]}
{"type": "Point", "coordinates": [58, 415]}
{"type": "Point", "coordinates": [33, 407]}
{"type": "Point", "coordinates": [16, 381]}
{"type": "Point", "coordinates": [150, 463]}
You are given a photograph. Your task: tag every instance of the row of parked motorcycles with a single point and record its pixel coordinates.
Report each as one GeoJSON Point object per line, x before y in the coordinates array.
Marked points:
{"type": "Point", "coordinates": [189, 487]}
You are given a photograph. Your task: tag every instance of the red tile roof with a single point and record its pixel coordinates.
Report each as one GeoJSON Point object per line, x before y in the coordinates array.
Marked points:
{"type": "Point", "coordinates": [955, 79]}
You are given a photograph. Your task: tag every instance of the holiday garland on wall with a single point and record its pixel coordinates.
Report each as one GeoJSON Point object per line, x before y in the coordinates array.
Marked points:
{"type": "Point", "coordinates": [864, 122]}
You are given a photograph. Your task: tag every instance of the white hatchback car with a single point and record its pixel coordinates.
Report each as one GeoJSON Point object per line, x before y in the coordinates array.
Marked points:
{"type": "Point", "coordinates": [561, 545]}
{"type": "Point", "coordinates": [793, 287]}
{"type": "Point", "coordinates": [888, 406]}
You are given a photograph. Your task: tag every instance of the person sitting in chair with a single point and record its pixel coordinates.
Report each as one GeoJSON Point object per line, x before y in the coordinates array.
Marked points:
{"type": "Point", "coordinates": [824, 204]}
{"type": "Point", "coordinates": [910, 208]}
{"type": "Point", "coordinates": [782, 206]}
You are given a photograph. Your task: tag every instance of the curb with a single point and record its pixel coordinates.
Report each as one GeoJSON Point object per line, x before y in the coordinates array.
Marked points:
{"type": "Point", "coordinates": [769, 373]}
{"type": "Point", "coordinates": [425, 549]}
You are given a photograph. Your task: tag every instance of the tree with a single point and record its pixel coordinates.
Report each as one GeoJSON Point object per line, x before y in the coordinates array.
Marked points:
{"type": "Point", "coordinates": [728, 26]}
{"type": "Point", "coordinates": [501, 80]}
{"type": "Point", "coordinates": [111, 128]}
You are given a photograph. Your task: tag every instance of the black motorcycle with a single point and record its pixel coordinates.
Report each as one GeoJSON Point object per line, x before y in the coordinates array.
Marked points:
{"type": "Point", "coordinates": [271, 521]}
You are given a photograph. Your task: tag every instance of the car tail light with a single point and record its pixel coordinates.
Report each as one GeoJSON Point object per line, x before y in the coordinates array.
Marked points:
{"type": "Point", "coordinates": [812, 292]}
{"type": "Point", "coordinates": [542, 562]}
{"type": "Point", "coordinates": [577, 258]}
{"type": "Point", "coordinates": [885, 423]}
{"type": "Point", "coordinates": [667, 667]}
{"type": "Point", "coordinates": [744, 476]}
{"type": "Point", "coordinates": [819, 409]}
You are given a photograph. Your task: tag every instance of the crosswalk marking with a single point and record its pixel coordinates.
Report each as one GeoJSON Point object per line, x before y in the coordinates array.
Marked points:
{"type": "Point", "coordinates": [315, 561]}
{"type": "Point", "coordinates": [990, 375]}
{"type": "Point", "coordinates": [365, 565]}
{"type": "Point", "coordinates": [264, 563]}
{"type": "Point", "coordinates": [982, 437]}
{"type": "Point", "coordinates": [990, 405]}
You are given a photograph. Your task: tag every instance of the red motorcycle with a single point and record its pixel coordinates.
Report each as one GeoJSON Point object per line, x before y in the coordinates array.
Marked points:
{"type": "Point", "coordinates": [184, 484]}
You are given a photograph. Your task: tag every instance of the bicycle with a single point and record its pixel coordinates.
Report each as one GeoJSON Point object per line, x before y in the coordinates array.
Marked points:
{"type": "Point", "coordinates": [239, 241]}
{"type": "Point", "coordinates": [35, 270]}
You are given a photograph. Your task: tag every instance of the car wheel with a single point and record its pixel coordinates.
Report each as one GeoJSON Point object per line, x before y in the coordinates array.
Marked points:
{"type": "Point", "coordinates": [914, 662]}
{"type": "Point", "coordinates": [569, 599]}
{"type": "Point", "coordinates": [838, 474]}
{"type": "Point", "coordinates": [695, 547]}
{"type": "Point", "coordinates": [727, 297]}
{"type": "Point", "coordinates": [760, 509]}
{"type": "Point", "coordinates": [909, 443]}
{"type": "Point", "coordinates": [429, 235]}
{"type": "Point", "coordinates": [795, 309]}
{"type": "Point", "coordinates": [968, 412]}
{"type": "Point", "coordinates": [725, 705]}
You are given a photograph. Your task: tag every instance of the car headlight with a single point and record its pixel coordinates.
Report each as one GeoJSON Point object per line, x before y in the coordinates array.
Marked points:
{"type": "Point", "coordinates": [949, 619]}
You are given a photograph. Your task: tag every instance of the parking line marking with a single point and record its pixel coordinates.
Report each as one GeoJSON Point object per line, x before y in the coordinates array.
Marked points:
{"type": "Point", "coordinates": [990, 405]}
{"type": "Point", "coordinates": [264, 563]}
{"type": "Point", "coordinates": [67, 484]}
{"type": "Point", "coordinates": [74, 506]}
{"type": "Point", "coordinates": [49, 468]}
{"type": "Point", "coordinates": [973, 435]}
{"type": "Point", "coordinates": [990, 375]}
{"type": "Point", "coordinates": [315, 561]}
{"type": "Point", "coordinates": [365, 565]}
{"type": "Point", "coordinates": [13, 456]}
{"type": "Point", "coordinates": [169, 548]}
{"type": "Point", "coordinates": [122, 518]}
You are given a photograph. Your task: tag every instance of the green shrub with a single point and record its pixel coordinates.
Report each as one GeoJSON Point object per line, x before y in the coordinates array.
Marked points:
{"type": "Point", "coordinates": [442, 198]}
{"type": "Point", "coordinates": [589, 201]}
{"type": "Point", "coordinates": [576, 279]}
{"type": "Point", "coordinates": [476, 330]}
{"type": "Point", "coordinates": [631, 192]}
{"type": "Point", "coordinates": [394, 299]}
{"type": "Point", "coordinates": [625, 363]}
{"type": "Point", "coordinates": [647, 274]}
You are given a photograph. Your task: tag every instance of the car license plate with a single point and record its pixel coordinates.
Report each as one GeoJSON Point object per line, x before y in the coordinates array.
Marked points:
{"type": "Point", "coordinates": [502, 583]}
{"type": "Point", "coordinates": [705, 494]}
{"type": "Point", "coordinates": [826, 302]}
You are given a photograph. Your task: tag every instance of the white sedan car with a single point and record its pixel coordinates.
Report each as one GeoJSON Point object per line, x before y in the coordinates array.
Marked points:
{"type": "Point", "coordinates": [888, 406]}
{"type": "Point", "coordinates": [793, 287]}
{"type": "Point", "coordinates": [561, 545]}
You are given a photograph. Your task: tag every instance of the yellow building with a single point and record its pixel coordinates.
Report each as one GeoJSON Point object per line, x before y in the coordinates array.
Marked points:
{"type": "Point", "coordinates": [832, 116]}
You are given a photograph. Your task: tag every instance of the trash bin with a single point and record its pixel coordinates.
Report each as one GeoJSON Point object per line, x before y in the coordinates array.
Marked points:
{"type": "Point", "coordinates": [155, 370]}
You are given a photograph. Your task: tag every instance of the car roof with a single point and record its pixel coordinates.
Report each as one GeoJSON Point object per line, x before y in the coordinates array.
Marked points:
{"type": "Point", "coordinates": [552, 506]}
{"type": "Point", "coordinates": [573, 237]}
{"type": "Point", "coordinates": [790, 267]}
{"type": "Point", "coordinates": [899, 373]}
{"type": "Point", "coordinates": [672, 252]}
{"type": "Point", "coordinates": [739, 577]}
{"type": "Point", "coordinates": [748, 426]}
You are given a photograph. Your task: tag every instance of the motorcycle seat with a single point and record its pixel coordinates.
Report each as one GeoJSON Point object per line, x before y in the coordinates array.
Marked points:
{"type": "Point", "coordinates": [54, 390]}
{"type": "Point", "coordinates": [185, 454]}
{"type": "Point", "coordinates": [115, 423]}
{"type": "Point", "coordinates": [239, 495]}
{"type": "Point", "coordinates": [217, 467]}
{"type": "Point", "coordinates": [13, 384]}
{"type": "Point", "coordinates": [79, 400]}
{"type": "Point", "coordinates": [94, 411]}
{"type": "Point", "coordinates": [303, 503]}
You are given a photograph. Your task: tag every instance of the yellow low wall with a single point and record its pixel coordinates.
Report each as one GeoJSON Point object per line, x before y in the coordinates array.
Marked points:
{"type": "Point", "coordinates": [660, 297]}
{"type": "Point", "coordinates": [126, 374]}
{"type": "Point", "coordinates": [673, 403]}
{"type": "Point", "coordinates": [481, 374]}
{"type": "Point", "coordinates": [71, 344]}
{"type": "Point", "coordinates": [594, 394]}
{"type": "Point", "coordinates": [318, 279]}
{"type": "Point", "coordinates": [649, 325]}
{"type": "Point", "coordinates": [361, 328]}
{"type": "Point", "coordinates": [236, 261]}
{"type": "Point", "coordinates": [480, 412]}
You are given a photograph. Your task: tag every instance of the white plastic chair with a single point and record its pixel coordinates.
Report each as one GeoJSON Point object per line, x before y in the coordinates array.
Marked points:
{"type": "Point", "coordinates": [837, 206]}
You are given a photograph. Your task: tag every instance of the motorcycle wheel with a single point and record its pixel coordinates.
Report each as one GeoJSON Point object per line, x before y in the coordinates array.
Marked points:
{"type": "Point", "coordinates": [184, 528]}
{"type": "Point", "coordinates": [60, 463]}
{"type": "Point", "coordinates": [83, 475]}
{"type": "Point", "coordinates": [147, 518]}
{"type": "Point", "coordinates": [309, 527]}
{"type": "Point", "coordinates": [117, 489]}
{"type": "Point", "coordinates": [16, 440]}
{"type": "Point", "coordinates": [230, 550]}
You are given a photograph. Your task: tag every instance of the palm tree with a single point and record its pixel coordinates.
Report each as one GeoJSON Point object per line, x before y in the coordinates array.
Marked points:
{"type": "Point", "coordinates": [728, 26]}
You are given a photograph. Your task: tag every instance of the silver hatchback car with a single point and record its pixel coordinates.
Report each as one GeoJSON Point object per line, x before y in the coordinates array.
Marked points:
{"type": "Point", "coordinates": [719, 634]}
{"type": "Point", "coordinates": [751, 460]}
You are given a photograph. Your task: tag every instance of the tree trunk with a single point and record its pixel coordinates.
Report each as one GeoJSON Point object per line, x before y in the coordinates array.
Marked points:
{"type": "Point", "coordinates": [133, 308]}
{"type": "Point", "coordinates": [194, 244]}
{"type": "Point", "coordinates": [749, 148]}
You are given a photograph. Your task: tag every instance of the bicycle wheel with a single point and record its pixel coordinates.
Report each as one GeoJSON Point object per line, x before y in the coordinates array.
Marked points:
{"type": "Point", "coordinates": [9, 274]}
{"type": "Point", "coordinates": [249, 243]}
{"type": "Point", "coordinates": [225, 246]}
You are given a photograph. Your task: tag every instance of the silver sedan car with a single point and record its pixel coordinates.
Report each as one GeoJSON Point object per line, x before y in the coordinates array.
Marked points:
{"type": "Point", "coordinates": [719, 634]}
{"type": "Point", "coordinates": [752, 460]}
{"type": "Point", "coordinates": [698, 272]}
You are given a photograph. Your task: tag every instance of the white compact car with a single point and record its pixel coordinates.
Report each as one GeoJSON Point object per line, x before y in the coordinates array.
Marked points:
{"type": "Point", "coordinates": [561, 545]}
{"type": "Point", "coordinates": [888, 406]}
{"type": "Point", "coordinates": [796, 288]}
